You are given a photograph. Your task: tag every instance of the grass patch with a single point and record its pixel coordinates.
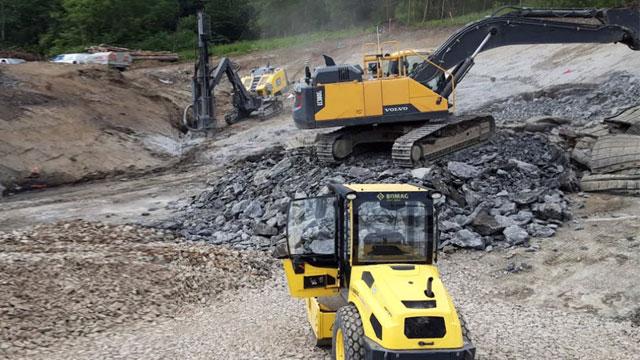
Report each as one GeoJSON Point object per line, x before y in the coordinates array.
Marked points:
{"type": "Point", "coordinates": [454, 21]}
{"type": "Point", "coordinates": [248, 46]}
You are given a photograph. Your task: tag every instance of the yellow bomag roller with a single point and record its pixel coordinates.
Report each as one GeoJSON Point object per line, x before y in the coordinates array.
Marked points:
{"type": "Point", "coordinates": [363, 258]}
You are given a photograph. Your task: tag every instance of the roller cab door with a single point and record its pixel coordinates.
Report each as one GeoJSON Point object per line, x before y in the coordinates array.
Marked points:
{"type": "Point", "coordinates": [311, 266]}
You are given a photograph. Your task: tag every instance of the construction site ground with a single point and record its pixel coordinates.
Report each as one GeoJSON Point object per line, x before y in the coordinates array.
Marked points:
{"type": "Point", "coordinates": [105, 147]}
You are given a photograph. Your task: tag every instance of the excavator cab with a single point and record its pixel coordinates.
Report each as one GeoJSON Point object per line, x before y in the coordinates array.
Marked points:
{"type": "Point", "coordinates": [363, 259]}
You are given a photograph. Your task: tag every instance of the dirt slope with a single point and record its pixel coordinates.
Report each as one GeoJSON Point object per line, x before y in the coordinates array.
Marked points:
{"type": "Point", "coordinates": [63, 123]}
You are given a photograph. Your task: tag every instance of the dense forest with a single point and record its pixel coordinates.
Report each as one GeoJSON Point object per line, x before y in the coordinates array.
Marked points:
{"type": "Point", "coordinates": [53, 26]}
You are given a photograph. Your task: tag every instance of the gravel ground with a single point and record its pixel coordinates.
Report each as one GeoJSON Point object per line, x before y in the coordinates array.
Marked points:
{"type": "Point", "coordinates": [548, 301]}
{"type": "Point", "coordinates": [74, 280]}
{"type": "Point", "coordinates": [266, 323]}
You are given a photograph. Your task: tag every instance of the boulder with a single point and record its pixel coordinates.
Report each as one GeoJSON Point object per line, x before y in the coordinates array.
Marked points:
{"type": "Point", "coordinates": [253, 210]}
{"type": "Point", "coordinates": [471, 197]}
{"type": "Point", "coordinates": [447, 226]}
{"type": "Point", "coordinates": [360, 173]}
{"type": "Point", "coordinates": [239, 207]}
{"type": "Point", "coordinates": [280, 167]}
{"type": "Point", "coordinates": [281, 204]}
{"type": "Point", "coordinates": [468, 239]}
{"type": "Point", "coordinates": [504, 207]}
{"type": "Point", "coordinates": [522, 218]}
{"type": "Point", "coordinates": [529, 169]}
{"type": "Point", "coordinates": [237, 188]}
{"type": "Point", "coordinates": [265, 229]}
{"type": "Point", "coordinates": [549, 211]}
{"type": "Point", "coordinates": [505, 221]}
{"type": "Point", "coordinates": [421, 173]}
{"type": "Point", "coordinates": [540, 231]}
{"type": "Point", "coordinates": [486, 224]}
{"type": "Point", "coordinates": [525, 197]}
{"type": "Point", "coordinates": [515, 235]}
{"type": "Point", "coordinates": [261, 177]}
{"type": "Point", "coordinates": [462, 170]}
{"type": "Point", "coordinates": [220, 220]}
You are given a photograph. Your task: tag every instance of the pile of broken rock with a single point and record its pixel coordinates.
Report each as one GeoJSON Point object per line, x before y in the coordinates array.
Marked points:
{"type": "Point", "coordinates": [497, 194]}
{"type": "Point", "coordinates": [605, 152]}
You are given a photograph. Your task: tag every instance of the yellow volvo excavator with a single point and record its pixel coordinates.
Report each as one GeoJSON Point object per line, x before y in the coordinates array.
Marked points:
{"type": "Point", "coordinates": [364, 259]}
{"type": "Point", "coordinates": [405, 98]}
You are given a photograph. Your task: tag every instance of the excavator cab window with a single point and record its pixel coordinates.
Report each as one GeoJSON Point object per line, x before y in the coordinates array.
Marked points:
{"type": "Point", "coordinates": [412, 62]}
{"type": "Point", "coordinates": [394, 69]}
{"type": "Point", "coordinates": [372, 69]}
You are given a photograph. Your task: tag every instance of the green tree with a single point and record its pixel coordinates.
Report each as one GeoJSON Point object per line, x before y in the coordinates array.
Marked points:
{"type": "Point", "coordinates": [23, 22]}
{"type": "Point", "coordinates": [88, 22]}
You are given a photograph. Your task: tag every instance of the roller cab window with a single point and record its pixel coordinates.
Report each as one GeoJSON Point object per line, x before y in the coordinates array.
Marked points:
{"type": "Point", "coordinates": [395, 231]}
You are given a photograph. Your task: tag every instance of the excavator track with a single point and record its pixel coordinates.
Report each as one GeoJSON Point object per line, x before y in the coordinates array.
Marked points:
{"type": "Point", "coordinates": [402, 148]}
{"type": "Point", "coordinates": [412, 143]}
{"type": "Point", "coordinates": [325, 144]}
{"type": "Point", "coordinates": [432, 141]}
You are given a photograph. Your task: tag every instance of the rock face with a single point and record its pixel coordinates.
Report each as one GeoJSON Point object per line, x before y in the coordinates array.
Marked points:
{"type": "Point", "coordinates": [488, 189]}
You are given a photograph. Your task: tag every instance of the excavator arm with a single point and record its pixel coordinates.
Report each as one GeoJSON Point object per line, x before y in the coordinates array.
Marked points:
{"type": "Point", "coordinates": [525, 26]}
{"type": "Point", "coordinates": [243, 101]}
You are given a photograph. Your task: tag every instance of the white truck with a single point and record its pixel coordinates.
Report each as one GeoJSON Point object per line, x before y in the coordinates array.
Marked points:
{"type": "Point", "coordinates": [11, 61]}
{"type": "Point", "coordinates": [118, 60]}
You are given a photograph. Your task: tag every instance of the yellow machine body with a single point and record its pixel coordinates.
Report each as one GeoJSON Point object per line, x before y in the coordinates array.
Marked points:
{"type": "Point", "coordinates": [385, 299]}
{"type": "Point", "coordinates": [375, 97]}
{"type": "Point", "coordinates": [266, 81]}
{"type": "Point", "coordinates": [321, 320]}
{"type": "Point", "coordinates": [383, 93]}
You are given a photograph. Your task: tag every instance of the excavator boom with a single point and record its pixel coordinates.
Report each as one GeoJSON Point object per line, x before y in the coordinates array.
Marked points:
{"type": "Point", "coordinates": [528, 26]}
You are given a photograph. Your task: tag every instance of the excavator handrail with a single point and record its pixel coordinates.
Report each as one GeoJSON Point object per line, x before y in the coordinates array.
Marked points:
{"type": "Point", "coordinates": [445, 71]}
